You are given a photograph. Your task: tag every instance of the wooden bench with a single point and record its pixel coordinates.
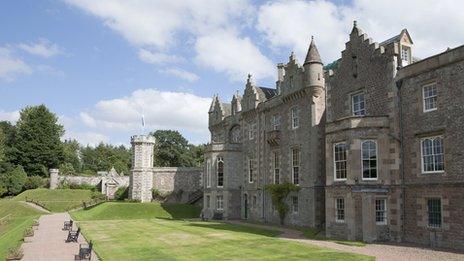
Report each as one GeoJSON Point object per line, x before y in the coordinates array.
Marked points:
{"type": "Point", "coordinates": [68, 225]}
{"type": "Point", "coordinates": [73, 235]}
{"type": "Point", "coordinates": [85, 251]}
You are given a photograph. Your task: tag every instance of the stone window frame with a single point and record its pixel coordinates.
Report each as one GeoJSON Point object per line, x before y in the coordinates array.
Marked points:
{"type": "Point", "coordinates": [340, 211]}
{"type": "Point", "coordinates": [208, 173]}
{"type": "Point", "coordinates": [208, 201]}
{"type": "Point", "coordinates": [275, 122]}
{"type": "Point", "coordinates": [220, 203]}
{"type": "Point", "coordinates": [295, 166]}
{"type": "Point", "coordinates": [219, 159]}
{"type": "Point", "coordinates": [433, 155]}
{"type": "Point", "coordinates": [384, 211]}
{"type": "Point", "coordinates": [424, 104]}
{"type": "Point", "coordinates": [353, 112]}
{"type": "Point", "coordinates": [428, 224]}
{"type": "Point", "coordinates": [252, 130]}
{"type": "Point", "coordinates": [408, 54]}
{"type": "Point", "coordinates": [250, 169]}
{"type": "Point", "coordinates": [376, 159]}
{"type": "Point", "coordinates": [294, 117]}
{"type": "Point", "coordinates": [295, 204]}
{"type": "Point", "coordinates": [276, 167]}
{"type": "Point", "coordinates": [335, 161]}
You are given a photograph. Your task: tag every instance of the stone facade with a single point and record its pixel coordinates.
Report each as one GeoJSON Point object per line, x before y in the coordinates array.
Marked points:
{"type": "Point", "coordinates": [269, 136]}
{"type": "Point", "coordinates": [380, 138]}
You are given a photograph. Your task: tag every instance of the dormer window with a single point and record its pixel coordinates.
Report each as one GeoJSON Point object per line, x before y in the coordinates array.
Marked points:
{"type": "Point", "coordinates": [358, 104]}
{"type": "Point", "coordinates": [405, 55]}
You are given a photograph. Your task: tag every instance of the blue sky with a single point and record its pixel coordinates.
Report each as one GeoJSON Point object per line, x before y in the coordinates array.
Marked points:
{"type": "Point", "coordinates": [100, 65]}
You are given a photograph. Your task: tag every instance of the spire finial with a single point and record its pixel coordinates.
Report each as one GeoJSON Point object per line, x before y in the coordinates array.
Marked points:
{"type": "Point", "coordinates": [312, 37]}
{"type": "Point", "coordinates": [355, 23]}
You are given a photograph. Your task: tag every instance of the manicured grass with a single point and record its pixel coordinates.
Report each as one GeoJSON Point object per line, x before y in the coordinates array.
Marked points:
{"type": "Point", "coordinates": [154, 231]}
{"type": "Point", "coordinates": [129, 210]}
{"type": "Point", "coordinates": [57, 200]}
{"type": "Point", "coordinates": [161, 239]}
{"type": "Point", "coordinates": [20, 217]}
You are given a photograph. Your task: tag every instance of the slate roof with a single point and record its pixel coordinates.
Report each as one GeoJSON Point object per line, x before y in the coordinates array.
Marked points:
{"type": "Point", "coordinates": [268, 92]}
{"type": "Point", "coordinates": [313, 54]}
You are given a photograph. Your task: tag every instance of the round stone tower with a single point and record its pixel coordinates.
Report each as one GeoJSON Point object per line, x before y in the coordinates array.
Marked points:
{"type": "Point", "coordinates": [314, 70]}
{"type": "Point", "coordinates": [141, 178]}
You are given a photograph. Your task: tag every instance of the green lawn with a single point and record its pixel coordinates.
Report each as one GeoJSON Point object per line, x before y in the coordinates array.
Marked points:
{"type": "Point", "coordinates": [21, 217]}
{"type": "Point", "coordinates": [128, 210]}
{"type": "Point", "coordinates": [57, 200]}
{"type": "Point", "coordinates": [130, 231]}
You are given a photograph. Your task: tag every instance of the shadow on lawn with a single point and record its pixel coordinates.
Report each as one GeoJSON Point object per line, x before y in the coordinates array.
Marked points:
{"type": "Point", "coordinates": [181, 211]}
{"type": "Point", "coordinates": [236, 228]}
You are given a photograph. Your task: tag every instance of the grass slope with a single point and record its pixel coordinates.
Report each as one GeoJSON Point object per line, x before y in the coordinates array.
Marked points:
{"type": "Point", "coordinates": [57, 200]}
{"type": "Point", "coordinates": [128, 210]}
{"type": "Point", "coordinates": [11, 232]}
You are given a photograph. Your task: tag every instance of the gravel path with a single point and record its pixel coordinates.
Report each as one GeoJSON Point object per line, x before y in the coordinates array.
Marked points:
{"type": "Point", "coordinates": [381, 252]}
{"type": "Point", "coordinates": [48, 242]}
{"type": "Point", "coordinates": [35, 206]}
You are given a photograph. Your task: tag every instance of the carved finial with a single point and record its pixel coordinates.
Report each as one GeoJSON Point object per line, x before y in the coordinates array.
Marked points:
{"type": "Point", "coordinates": [312, 37]}
{"type": "Point", "coordinates": [292, 56]}
{"type": "Point", "coordinates": [355, 23]}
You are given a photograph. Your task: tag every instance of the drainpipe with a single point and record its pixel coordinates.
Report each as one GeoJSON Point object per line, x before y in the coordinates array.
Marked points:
{"type": "Point", "coordinates": [401, 129]}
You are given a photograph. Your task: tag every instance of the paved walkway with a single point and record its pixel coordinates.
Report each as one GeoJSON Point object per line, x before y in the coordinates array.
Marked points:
{"type": "Point", "coordinates": [48, 242]}
{"type": "Point", "coordinates": [381, 252]}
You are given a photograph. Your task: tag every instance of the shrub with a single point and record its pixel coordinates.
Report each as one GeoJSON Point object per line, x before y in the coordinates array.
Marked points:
{"type": "Point", "coordinates": [15, 253]}
{"type": "Point", "coordinates": [34, 182]}
{"type": "Point", "coordinates": [29, 232]}
{"type": "Point", "coordinates": [279, 193]}
{"type": "Point", "coordinates": [14, 180]}
{"type": "Point", "coordinates": [122, 193]}
{"type": "Point", "coordinates": [98, 195]}
{"type": "Point", "coordinates": [67, 169]}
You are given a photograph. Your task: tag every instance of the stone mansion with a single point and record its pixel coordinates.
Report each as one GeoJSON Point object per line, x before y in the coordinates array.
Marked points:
{"type": "Point", "coordinates": [374, 141]}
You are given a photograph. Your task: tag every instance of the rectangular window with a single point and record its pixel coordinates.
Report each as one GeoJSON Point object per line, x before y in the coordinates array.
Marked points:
{"type": "Point", "coordinates": [251, 130]}
{"type": "Point", "coordinates": [432, 155]}
{"type": "Point", "coordinates": [250, 170]}
{"type": "Point", "coordinates": [340, 210]}
{"type": "Point", "coordinates": [295, 117]}
{"type": "Point", "coordinates": [430, 96]}
{"type": "Point", "coordinates": [275, 122]}
{"type": "Point", "coordinates": [369, 159]}
{"type": "Point", "coordinates": [381, 211]}
{"type": "Point", "coordinates": [219, 203]}
{"type": "Point", "coordinates": [358, 105]}
{"type": "Point", "coordinates": [434, 212]}
{"type": "Point", "coordinates": [340, 161]}
{"type": "Point", "coordinates": [296, 166]}
{"type": "Point", "coordinates": [295, 205]}
{"type": "Point", "coordinates": [208, 173]}
{"type": "Point", "coordinates": [208, 201]}
{"type": "Point", "coordinates": [220, 172]}
{"type": "Point", "coordinates": [276, 168]}
{"type": "Point", "coordinates": [405, 57]}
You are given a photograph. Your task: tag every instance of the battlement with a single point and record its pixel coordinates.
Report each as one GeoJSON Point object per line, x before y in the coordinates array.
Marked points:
{"type": "Point", "coordinates": [143, 139]}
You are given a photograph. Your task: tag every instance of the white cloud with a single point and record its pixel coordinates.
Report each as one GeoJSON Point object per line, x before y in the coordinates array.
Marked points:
{"type": "Point", "coordinates": [183, 74]}
{"type": "Point", "coordinates": [158, 58]}
{"type": "Point", "coordinates": [86, 138]}
{"type": "Point", "coordinates": [156, 27]}
{"type": "Point", "coordinates": [11, 66]}
{"type": "Point", "coordinates": [289, 24]}
{"type": "Point", "coordinates": [236, 56]}
{"type": "Point", "coordinates": [42, 47]}
{"type": "Point", "coordinates": [11, 116]}
{"type": "Point", "coordinates": [181, 111]}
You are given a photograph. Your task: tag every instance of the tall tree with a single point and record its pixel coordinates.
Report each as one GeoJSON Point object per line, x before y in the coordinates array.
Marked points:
{"type": "Point", "coordinates": [37, 145]}
{"type": "Point", "coordinates": [71, 152]}
{"type": "Point", "coordinates": [172, 150]}
{"type": "Point", "coordinates": [104, 157]}
{"type": "Point", "coordinates": [2, 146]}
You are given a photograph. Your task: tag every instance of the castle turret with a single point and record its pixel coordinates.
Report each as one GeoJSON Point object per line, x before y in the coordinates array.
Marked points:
{"type": "Point", "coordinates": [314, 70]}
{"type": "Point", "coordinates": [141, 178]}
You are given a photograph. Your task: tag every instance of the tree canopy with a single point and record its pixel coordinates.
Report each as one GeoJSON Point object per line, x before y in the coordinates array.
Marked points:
{"type": "Point", "coordinates": [37, 146]}
{"type": "Point", "coordinates": [173, 150]}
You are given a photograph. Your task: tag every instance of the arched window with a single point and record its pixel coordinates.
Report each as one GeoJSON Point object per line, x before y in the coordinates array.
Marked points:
{"type": "Point", "coordinates": [235, 135]}
{"type": "Point", "coordinates": [220, 171]}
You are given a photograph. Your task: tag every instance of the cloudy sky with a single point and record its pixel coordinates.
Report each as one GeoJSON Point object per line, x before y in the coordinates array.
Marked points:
{"type": "Point", "coordinates": [100, 65]}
